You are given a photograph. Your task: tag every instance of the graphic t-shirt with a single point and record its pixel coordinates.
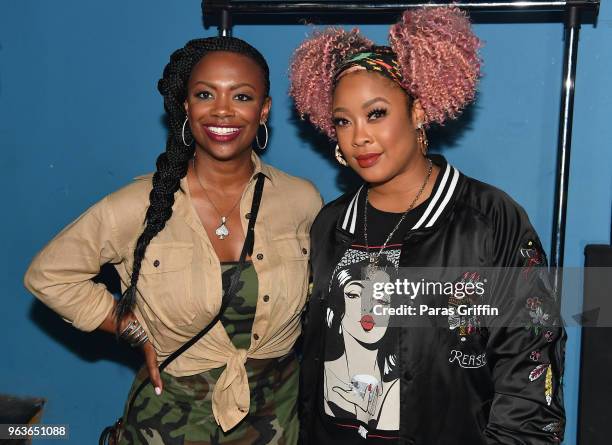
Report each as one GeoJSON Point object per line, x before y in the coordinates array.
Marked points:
{"type": "Point", "coordinates": [360, 399]}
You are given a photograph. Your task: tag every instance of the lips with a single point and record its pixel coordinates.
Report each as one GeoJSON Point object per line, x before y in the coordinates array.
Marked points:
{"type": "Point", "coordinates": [367, 160]}
{"type": "Point", "coordinates": [222, 133]}
{"type": "Point", "coordinates": [367, 323]}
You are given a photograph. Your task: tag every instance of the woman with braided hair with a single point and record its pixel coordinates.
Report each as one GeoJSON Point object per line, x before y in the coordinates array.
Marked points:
{"type": "Point", "coordinates": [215, 238]}
{"type": "Point", "coordinates": [398, 367]}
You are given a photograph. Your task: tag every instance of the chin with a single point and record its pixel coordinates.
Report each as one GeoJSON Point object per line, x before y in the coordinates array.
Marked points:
{"type": "Point", "coordinates": [374, 175]}
{"type": "Point", "coordinates": [224, 152]}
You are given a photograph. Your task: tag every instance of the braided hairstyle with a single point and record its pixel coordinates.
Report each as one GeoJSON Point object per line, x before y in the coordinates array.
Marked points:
{"type": "Point", "coordinates": [173, 163]}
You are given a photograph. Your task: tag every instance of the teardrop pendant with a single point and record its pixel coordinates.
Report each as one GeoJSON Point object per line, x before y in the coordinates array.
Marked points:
{"type": "Point", "coordinates": [222, 231]}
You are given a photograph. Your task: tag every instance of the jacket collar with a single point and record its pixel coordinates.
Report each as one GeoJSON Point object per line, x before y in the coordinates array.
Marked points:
{"type": "Point", "coordinates": [442, 199]}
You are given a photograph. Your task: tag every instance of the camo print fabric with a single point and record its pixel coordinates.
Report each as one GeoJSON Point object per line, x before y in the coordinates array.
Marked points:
{"type": "Point", "coordinates": [183, 415]}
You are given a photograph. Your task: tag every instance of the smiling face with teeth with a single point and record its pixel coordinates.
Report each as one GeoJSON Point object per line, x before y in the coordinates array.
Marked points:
{"type": "Point", "coordinates": [226, 102]}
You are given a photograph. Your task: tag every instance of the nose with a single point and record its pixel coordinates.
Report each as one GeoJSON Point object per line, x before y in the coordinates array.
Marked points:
{"type": "Point", "coordinates": [361, 137]}
{"type": "Point", "coordinates": [223, 106]}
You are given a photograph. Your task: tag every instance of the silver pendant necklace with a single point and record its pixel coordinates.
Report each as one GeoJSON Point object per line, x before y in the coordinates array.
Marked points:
{"type": "Point", "coordinates": [222, 231]}
{"type": "Point", "coordinates": [372, 266]}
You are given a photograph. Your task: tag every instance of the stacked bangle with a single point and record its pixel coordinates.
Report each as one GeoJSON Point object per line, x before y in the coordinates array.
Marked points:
{"type": "Point", "coordinates": [134, 334]}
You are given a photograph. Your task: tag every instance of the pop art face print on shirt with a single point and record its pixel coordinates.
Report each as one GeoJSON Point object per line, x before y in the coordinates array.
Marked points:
{"type": "Point", "coordinates": [361, 378]}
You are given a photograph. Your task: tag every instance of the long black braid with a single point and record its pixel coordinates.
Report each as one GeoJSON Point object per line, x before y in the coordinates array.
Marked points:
{"type": "Point", "coordinates": [173, 163]}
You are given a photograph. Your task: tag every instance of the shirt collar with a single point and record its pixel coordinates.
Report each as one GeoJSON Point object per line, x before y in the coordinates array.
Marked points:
{"type": "Point", "coordinates": [259, 167]}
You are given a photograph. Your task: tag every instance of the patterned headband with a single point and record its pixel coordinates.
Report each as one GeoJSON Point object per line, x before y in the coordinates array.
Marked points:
{"type": "Point", "coordinates": [379, 59]}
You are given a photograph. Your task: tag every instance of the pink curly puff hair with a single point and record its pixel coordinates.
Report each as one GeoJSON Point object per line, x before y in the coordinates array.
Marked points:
{"type": "Point", "coordinates": [435, 47]}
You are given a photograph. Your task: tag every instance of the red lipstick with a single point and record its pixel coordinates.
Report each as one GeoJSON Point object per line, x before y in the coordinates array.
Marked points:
{"type": "Point", "coordinates": [367, 160]}
{"type": "Point", "coordinates": [225, 136]}
{"type": "Point", "coordinates": [367, 323]}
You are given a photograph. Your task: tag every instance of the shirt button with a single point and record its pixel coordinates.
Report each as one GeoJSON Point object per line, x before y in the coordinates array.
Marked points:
{"type": "Point", "coordinates": [260, 256]}
{"type": "Point", "coordinates": [266, 298]}
{"type": "Point", "coordinates": [156, 263]}
{"type": "Point", "coordinates": [256, 337]}
{"type": "Point", "coordinates": [247, 216]}
{"type": "Point", "coordinates": [304, 250]}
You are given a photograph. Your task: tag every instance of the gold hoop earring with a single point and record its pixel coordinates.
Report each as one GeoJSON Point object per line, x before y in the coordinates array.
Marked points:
{"type": "Point", "coordinates": [422, 138]}
{"type": "Point", "coordinates": [340, 157]}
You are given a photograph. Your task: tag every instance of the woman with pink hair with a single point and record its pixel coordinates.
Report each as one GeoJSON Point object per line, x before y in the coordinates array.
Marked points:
{"type": "Point", "coordinates": [455, 367]}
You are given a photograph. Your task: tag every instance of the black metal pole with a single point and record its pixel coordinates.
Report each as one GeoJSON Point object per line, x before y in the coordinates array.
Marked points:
{"type": "Point", "coordinates": [572, 30]}
{"type": "Point", "coordinates": [225, 25]}
{"type": "Point", "coordinates": [366, 6]}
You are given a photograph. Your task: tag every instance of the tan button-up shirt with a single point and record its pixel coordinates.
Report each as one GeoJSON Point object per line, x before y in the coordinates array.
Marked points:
{"type": "Point", "coordinates": [179, 288]}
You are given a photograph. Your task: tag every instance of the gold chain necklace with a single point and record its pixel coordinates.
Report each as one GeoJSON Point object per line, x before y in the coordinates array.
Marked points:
{"type": "Point", "coordinates": [373, 263]}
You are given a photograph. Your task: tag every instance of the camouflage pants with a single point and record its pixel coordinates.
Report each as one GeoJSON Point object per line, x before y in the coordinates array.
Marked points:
{"type": "Point", "coordinates": [182, 415]}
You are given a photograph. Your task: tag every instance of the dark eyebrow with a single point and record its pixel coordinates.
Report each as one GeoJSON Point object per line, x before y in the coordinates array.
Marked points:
{"type": "Point", "coordinates": [356, 282]}
{"type": "Point", "coordinates": [243, 84]}
{"type": "Point", "coordinates": [234, 87]}
{"type": "Point", "coordinates": [210, 85]}
{"type": "Point", "coordinates": [376, 99]}
{"type": "Point", "coordinates": [365, 105]}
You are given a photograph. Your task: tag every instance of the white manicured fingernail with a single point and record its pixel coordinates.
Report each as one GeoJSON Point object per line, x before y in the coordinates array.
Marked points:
{"type": "Point", "coordinates": [158, 391]}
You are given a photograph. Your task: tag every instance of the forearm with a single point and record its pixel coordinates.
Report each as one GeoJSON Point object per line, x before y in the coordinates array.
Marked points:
{"type": "Point", "coordinates": [110, 322]}
{"type": "Point", "coordinates": [110, 325]}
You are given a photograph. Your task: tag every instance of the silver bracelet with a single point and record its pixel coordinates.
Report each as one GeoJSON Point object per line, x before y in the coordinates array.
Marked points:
{"type": "Point", "coordinates": [143, 339]}
{"type": "Point", "coordinates": [129, 329]}
{"type": "Point", "coordinates": [134, 334]}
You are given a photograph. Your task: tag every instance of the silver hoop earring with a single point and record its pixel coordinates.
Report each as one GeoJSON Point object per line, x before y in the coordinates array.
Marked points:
{"type": "Point", "coordinates": [262, 147]}
{"type": "Point", "coordinates": [183, 133]}
{"type": "Point", "coordinates": [340, 157]}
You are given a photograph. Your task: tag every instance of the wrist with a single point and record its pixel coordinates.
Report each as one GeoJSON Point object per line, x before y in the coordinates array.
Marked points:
{"type": "Point", "coordinates": [133, 333]}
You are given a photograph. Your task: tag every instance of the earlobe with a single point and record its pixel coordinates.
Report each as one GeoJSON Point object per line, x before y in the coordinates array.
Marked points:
{"type": "Point", "coordinates": [186, 106]}
{"type": "Point", "coordinates": [418, 113]}
{"type": "Point", "coordinates": [265, 109]}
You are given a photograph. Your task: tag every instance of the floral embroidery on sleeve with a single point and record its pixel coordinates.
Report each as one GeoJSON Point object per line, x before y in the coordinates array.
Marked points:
{"type": "Point", "coordinates": [539, 318]}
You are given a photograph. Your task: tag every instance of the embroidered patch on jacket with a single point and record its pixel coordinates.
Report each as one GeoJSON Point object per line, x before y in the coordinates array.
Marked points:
{"type": "Point", "coordinates": [532, 256]}
{"type": "Point", "coordinates": [465, 325]}
{"type": "Point", "coordinates": [467, 361]}
{"type": "Point", "coordinates": [548, 386]}
{"type": "Point", "coordinates": [539, 318]}
{"type": "Point", "coordinates": [554, 427]}
{"type": "Point", "coordinates": [537, 372]}
{"type": "Point", "coordinates": [549, 336]}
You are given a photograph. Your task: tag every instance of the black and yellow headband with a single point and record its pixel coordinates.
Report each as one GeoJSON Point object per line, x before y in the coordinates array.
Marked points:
{"type": "Point", "coordinates": [379, 59]}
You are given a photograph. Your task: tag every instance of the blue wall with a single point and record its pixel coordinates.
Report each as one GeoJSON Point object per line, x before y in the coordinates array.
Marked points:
{"type": "Point", "coordinates": [80, 116]}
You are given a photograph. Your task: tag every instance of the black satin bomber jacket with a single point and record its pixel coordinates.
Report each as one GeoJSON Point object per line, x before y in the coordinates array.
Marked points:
{"type": "Point", "coordinates": [517, 397]}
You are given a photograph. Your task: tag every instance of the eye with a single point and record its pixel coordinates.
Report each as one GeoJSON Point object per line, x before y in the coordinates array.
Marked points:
{"type": "Point", "coordinates": [243, 97]}
{"type": "Point", "coordinates": [203, 95]}
{"type": "Point", "coordinates": [377, 113]}
{"type": "Point", "coordinates": [352, 295]}
{"type": "Point", "coordinates": [384, 302]}
{"type": "Point", "coordinates": [340, 122]}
